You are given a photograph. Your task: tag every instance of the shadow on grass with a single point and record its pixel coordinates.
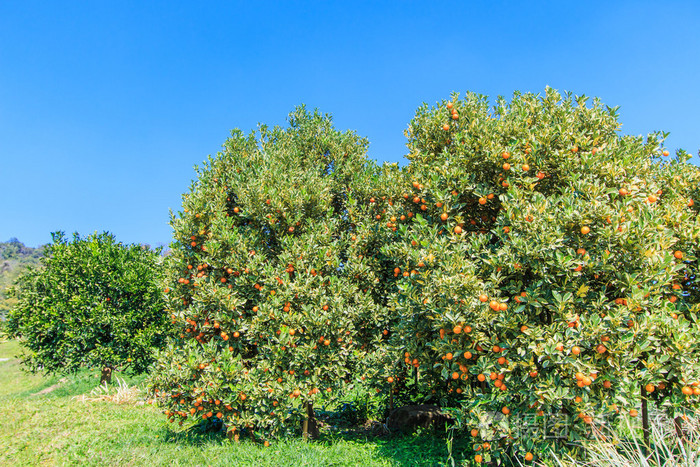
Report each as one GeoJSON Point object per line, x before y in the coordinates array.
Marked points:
{"type": "Point", "coordinates": [423, 448]}
{"type": "Point", "coordinates": [197, 435]}
{"type": "Point", "coordinates": [82, 382]}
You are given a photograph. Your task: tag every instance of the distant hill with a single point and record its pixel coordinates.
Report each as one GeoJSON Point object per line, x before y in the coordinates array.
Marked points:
{"type": "Point", "coordinates": [15, 256]}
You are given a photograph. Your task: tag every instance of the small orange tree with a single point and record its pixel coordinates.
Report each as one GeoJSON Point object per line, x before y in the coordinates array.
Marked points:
{"type": "Point", "coordinates": [95, 302]}
{"type": "Point", "coordinates": [548, 272]}
{"type": "Point", "coordinates": [270, 279]}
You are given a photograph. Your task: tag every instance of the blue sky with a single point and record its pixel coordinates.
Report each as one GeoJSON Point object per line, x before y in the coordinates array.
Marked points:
{"type": "Point", "coordinates": [105, 107]}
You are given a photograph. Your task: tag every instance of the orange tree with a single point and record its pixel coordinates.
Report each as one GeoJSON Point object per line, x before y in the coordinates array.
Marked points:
{"type": "Point", "coordinates": [94, 302]}
{"type": "Point", "coordinates": [270, 283]}
{"type": "Point", "coordinates": [547, 277]}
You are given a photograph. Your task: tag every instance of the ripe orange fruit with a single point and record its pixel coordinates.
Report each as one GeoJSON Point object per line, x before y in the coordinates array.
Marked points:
{"type": "Point", "coordinates": [483, 298]}
{"type": "Point", "coordinates": [506, 166]}
{"type": "Point", "coordinates": [529, 456]}
{"type": "Point", "coordinates": [633, 413]}
{"type": "Point", "coordinates": [607, 384]}
{"type": "Point", "coordinates": [576, 350]}
{"type": "Point", "coordinates": [585, 230]}
{"type": "Point", "coordinates": [649, 388]}
{"type": "Point", "coordinates": [601, 348]}
{"type": "Point", "coordinates": [478, 458]}
{"type": "Point", "coordinates": [481, 377]}
{"type": "Point", "coordinates": [482, 200]}
{"type": "Point", "coordinates": [475, 432]}
{"type": "Point", "coordinates": [446, 126]}
{"type": "Point", "coordinates": [390, 379]}
{"type": "Point", "coordinates": [678, 254]}
{"type": "Point", "coordinates": [687, 390]}
{"type": "Point", "coordinates": [505, 410]}
{"type": "Point", "coordinates": [444, 216]}
{"type": "Point", "coordinates": [458, 230]}
{"type": "Point", "coordinates": [665, 153]}
{"type": "Point", "coordinates": [526, 167]}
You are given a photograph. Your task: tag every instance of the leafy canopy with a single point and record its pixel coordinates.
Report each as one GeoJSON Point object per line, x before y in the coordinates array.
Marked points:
{"type": "Point", "coordinates": [94, 302]}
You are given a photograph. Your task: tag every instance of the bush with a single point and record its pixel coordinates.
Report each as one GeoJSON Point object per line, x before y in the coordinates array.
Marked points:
{"type": "Point", "coordinates": [529, 265]}
{"type": "Point", "coordinates": [94, 303]}
{"type": "Point", "coordinates": [548, 271]}
{"type": "Point", "coordinates": [270, 283]}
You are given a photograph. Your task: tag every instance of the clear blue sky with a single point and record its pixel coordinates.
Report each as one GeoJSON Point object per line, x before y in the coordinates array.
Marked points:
{"type": "Point", "coordinates": [105, 107]}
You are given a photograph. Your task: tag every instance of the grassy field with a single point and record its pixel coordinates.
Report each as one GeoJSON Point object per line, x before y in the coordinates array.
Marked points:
{"type": "Point", "coordinates": [59, 427]}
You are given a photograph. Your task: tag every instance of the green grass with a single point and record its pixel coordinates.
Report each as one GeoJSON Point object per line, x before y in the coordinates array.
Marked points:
{"type": "Point", "coordinates": [58, 428]}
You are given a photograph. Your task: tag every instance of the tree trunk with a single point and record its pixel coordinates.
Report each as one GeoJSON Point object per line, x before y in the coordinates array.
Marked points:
{"type": "Point", "coordinates": [106, 377]}
{"type": "Point", "coordinates": [645, 420]}
{"type": "Point", "coordinates": [309, 425]}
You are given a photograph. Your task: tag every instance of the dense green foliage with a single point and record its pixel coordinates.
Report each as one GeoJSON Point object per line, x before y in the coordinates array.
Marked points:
{"type": "Point", "coordinates": [94, 302]}
{"type": "Point", "coordinates": [15, 257]}
{"type": "Point", "coordinates": [530, 269]}
{"type": "Point", "coordinates": [270, 280]}
{"type": "Point", "coordinates": [552, 270]}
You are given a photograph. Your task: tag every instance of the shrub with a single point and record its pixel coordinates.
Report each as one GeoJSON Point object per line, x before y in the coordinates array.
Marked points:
{"type": "Point", "coordinates": [529, 266]}
{"type": "Point", "coordinates": [270, 283]}
{"type": "Point", "coordinates": [548, 271]}
{"type": "Point", "coordinates": [94, 303]}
